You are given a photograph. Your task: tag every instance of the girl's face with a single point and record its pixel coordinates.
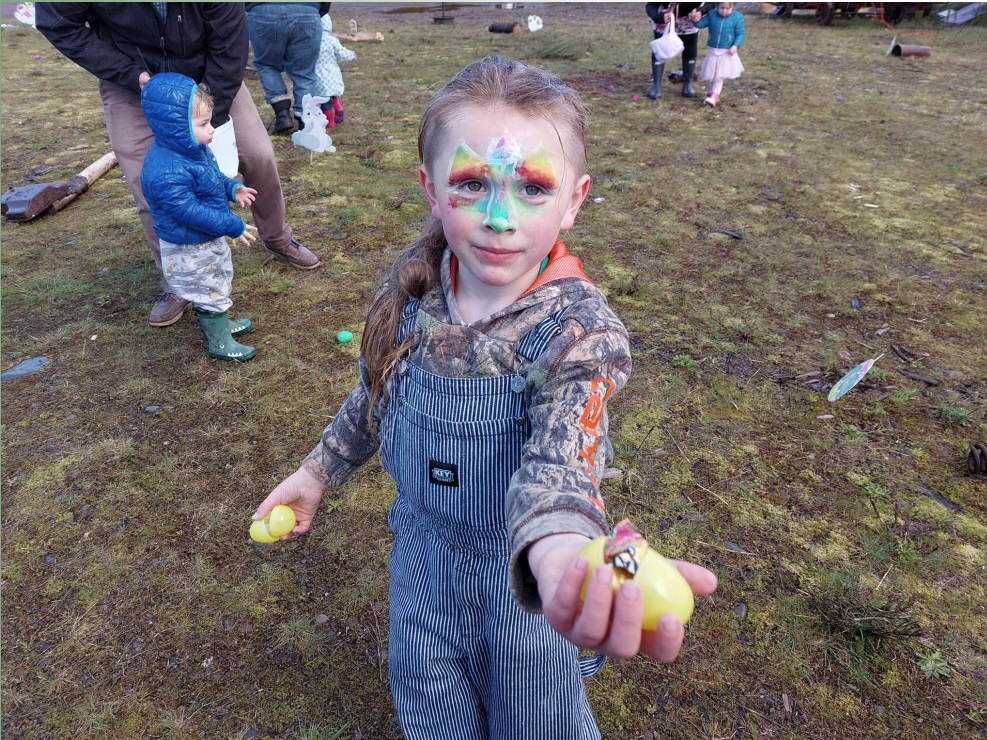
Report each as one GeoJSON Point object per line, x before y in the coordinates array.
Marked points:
{"type": "Point", "coordinates": [503, 190]}
{"type": "Point", "coordinates": [202, 129]}
{"type": "Point", "coordinates": [724, 9]}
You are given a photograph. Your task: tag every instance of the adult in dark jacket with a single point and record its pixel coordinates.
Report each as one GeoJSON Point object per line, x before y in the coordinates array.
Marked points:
{"type": "Point", "coordinates": [123, 44]}
{"type": "Point", "coordinates": [689, 34]}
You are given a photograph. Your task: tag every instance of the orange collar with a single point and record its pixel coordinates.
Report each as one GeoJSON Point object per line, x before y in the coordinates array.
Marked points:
{"type": "Point", "coordinates": [561, 264]}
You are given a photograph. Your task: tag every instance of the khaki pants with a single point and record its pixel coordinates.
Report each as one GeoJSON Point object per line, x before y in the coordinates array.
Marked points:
{"type": "Point", "coordinates": [131, 137]}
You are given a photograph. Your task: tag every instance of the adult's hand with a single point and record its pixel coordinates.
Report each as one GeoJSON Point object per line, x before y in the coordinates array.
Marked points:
{"type": "Point", "coordinates": [142, 80]}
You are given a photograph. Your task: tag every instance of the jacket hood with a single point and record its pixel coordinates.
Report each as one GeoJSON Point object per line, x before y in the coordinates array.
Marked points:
{"type": "Point", "coordinates": [167, 103]}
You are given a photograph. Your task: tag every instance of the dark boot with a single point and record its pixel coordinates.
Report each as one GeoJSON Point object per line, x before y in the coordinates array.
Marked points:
{"type": "Point", "coordinates": [657, 70]}
{"type": "Point", "coordinates": [282, 116]}
{"type": "Point", "coordinates": [222, 345]}
{"type": "Point", "coordinates": [688, 72]}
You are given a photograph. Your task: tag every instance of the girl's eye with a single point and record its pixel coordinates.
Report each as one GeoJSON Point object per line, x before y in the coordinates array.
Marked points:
{"type": "Point", "coordinates": [533, 190]}
{"type": "Point", "coordinates": [473, 186]}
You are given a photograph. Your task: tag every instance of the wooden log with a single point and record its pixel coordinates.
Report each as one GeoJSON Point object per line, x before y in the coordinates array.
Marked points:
{"type": "Point", "coordinates": [372, 36]}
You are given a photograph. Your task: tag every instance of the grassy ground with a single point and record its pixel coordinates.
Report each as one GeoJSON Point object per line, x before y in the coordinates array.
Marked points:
{"type": "Point", "coordinates": [850, 543]}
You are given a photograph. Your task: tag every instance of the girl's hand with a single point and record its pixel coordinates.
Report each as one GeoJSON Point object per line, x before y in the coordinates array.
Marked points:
{"type": "Point", "coordinates": [245, 196]}
{"type": "Point", "coordinates": [732, 51]}
{"type": "Point", "coordinates": [247, 236]}
{"type": "Point", "coordinates": [607, 623]}
{"type": "Point", "coordinates": [301, 491]}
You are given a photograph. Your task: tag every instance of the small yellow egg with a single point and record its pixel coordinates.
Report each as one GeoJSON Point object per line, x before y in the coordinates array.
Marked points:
{"type": "Point", "coordinates": [279, 522]}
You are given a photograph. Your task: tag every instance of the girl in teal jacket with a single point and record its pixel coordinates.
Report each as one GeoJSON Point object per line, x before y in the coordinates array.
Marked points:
{"type": "Point", "coordinates": [726, 34]}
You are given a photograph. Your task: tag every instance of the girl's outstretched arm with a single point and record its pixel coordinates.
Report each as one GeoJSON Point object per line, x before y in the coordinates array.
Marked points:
{"type": "Point", "coordinates": [302, 492]}
{"type": "Point", "coordinates": [607, 623]}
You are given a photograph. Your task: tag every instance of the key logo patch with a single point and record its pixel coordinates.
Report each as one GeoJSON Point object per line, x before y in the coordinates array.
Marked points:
{"type": "Point", "coordinates": [445, 474]}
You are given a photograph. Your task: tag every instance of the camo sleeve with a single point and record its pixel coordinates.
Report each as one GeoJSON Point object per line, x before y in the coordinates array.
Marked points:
{"type": "Point", "coordinates": [347, 442]}
{"type": "Point", "coordinates": [557, 488]}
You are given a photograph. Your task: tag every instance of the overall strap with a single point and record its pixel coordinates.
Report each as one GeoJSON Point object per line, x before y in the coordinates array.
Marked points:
{"type": "Point", "coordinates": [409, 316]}
{"type": "Point", "coordinates": [534, 342]}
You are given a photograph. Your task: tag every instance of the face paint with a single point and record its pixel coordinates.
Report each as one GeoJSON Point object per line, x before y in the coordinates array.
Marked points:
{"type": "Point", "coordinates": [490, 184]}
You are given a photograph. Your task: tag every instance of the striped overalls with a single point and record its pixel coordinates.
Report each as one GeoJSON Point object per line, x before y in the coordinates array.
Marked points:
{"type": "Point", "coordinates": [465, 661]}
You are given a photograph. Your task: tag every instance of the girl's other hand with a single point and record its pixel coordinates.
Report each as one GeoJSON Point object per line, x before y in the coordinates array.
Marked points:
{"type": "Point", "coordinates": [245, 196]}
{"type": "Point", "coordinates": [247, 236]}
{"type": "Point", "coordinates": [301, 492]}
{"type": "Point", "coordinates": [732, 51]}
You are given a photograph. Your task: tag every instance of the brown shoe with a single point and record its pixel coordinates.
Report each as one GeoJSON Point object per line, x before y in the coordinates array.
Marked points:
{"type": "Point", "coordinates": [167, 310]}
{"type": "Point", "coordinates": [295, 255]}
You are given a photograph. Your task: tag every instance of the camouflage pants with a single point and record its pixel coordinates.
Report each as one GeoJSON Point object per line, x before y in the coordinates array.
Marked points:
{"type": "Point", "coordinates": [200, 273]}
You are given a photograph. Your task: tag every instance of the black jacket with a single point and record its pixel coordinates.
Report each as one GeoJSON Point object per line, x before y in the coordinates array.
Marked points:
{"type": "Point", "coordinates": [117, 41]}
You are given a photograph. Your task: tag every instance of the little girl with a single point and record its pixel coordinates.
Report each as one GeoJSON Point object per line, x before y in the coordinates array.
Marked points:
{"type": "Point", "coordinates": [486, 364]}
{"type": "Point", "coordinates": [726, 34]}
{"type": "Point", "coordinates": [328, 76]}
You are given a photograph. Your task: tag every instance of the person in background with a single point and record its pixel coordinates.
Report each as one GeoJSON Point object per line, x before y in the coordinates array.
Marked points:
{"type": "Point", "coordinates": [123, 44]}
{"type": "Point", "coordinates": [722, 62]}
{"type": "Point", "coordinates": [328, 75]}
{"type": "Point", "coordinates": [189, 200]}
{"type": "Point", "coordinates": [285, 39]}
{"type": "Point", "coordinates": [658, 15]}
{"type": "Point", "coordinates": [486, 365]}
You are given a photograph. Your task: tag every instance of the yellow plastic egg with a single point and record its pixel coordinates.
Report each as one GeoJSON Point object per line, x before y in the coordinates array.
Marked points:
{"type": "Point", "coordinates": [278, 522]}
{"type": "Point", "coordinates": [663, 588]}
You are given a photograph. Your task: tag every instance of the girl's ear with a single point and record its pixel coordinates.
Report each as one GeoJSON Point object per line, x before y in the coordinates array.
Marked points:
{"type": "Point", "coordinates": [579, 193]}
{"type": "Point", "coordinates": [428, 187]}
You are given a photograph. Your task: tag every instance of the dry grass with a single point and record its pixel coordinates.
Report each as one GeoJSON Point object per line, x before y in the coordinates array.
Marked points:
{"type": "Point", "coordinates": [134, 604]}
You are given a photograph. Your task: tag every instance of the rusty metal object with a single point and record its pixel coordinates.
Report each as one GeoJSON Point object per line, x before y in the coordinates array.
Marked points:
{"type": "Point", "coordinates": [25, 202]}
{"type": "Point", "coordinates": [907, 50]}
{"type": "Point", "coordinates": [976, 463]}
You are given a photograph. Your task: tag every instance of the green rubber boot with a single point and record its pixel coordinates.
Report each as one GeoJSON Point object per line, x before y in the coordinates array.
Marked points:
{"type": "Point", "coordinates": [222, 345]}
{"type": "Point", "coordinates": [239, 327]}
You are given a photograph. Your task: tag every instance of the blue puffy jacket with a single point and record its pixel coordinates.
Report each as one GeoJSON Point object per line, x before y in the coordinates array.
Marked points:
{"type": "Point", "coordinates": [723, 32]}
{"type": "Point", "coordinates": [188, 196]}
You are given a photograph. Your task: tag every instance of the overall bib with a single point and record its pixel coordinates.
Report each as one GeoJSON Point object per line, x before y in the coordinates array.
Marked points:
{"type": "Point", "coordinates": [465, 661]}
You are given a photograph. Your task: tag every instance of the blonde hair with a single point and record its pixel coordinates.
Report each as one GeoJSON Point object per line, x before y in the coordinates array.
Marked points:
{"type": "Point", "coordinates": [202, 99]}
{"type": "Point", "coordinates": [494, 83]}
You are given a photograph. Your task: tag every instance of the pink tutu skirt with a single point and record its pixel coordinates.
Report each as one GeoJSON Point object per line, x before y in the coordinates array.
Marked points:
{"type": "Point", "coordinates": [718, 64]}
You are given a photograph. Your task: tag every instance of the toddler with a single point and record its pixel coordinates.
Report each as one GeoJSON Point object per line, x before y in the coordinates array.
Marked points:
{"type": "Point", "coordinates": [726, 34]}
{"type": "Point", "coordinates": [328, 76]}
{"type": "Point", "coordinates": [189, 201]}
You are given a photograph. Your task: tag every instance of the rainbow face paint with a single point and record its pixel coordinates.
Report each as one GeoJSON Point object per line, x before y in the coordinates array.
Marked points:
{"type": "Point", "coordinates": [502, 185]}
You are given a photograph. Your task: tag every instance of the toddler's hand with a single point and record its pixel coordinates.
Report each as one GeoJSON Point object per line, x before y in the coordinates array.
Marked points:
{"type": "Point", "coordinates": [301, 492]}
{"type": "Point", "coordinates": [607, 623]}
{"type": "Point", "coordinates": [247, 236]}
{"type": "Point", "coordinates": [245, 196]}
{"type": "Point", "coordinates": [695, 15]}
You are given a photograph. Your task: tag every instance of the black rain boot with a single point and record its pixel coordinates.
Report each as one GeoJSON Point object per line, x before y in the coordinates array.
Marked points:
{"type": "Point", "coordinates": [657, 70]}
{"type": "Point", "coordinates": [222, 345]}
{"type": "Point", "coordinates": [688, 72]}
{"type": "Point", "coordinates": [283, 120]}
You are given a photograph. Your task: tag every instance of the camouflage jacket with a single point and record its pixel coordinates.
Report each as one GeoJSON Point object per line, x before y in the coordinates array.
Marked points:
{"type": "Point", "coordinates": [556, 488]}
